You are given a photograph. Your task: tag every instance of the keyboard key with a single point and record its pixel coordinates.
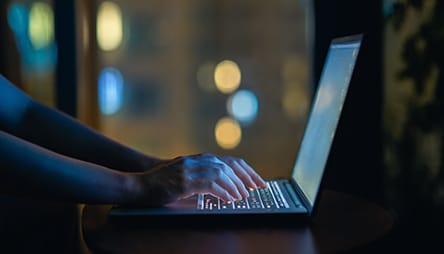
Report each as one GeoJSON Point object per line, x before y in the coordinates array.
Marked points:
{"type": "Point", "coordinates": [241, 204]}
{"type": "Point", "coordinates": [226, 205]}
{"type": "Point", "coordinates": [254, 199]}
{"type": "Point", "coordinates": [211, 203]}
{"type": "Point", "coordinates": [268, 198]}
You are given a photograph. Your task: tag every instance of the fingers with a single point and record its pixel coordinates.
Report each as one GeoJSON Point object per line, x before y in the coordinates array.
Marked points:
{"type": "Point", "coordinates": [220, 192]}
{"type": "Point", "coordinates": [254, 175]}
{"type": "Point", "coordinates": [214, 189]}
{"type": "Point", "coordinates": [224, 177]}
{"type": "Point", "coordinates": [230, 176]}
{"type": "Point", "coordinates": [242, 174]}
{"type": "Point", "coordinates": [245, 172]}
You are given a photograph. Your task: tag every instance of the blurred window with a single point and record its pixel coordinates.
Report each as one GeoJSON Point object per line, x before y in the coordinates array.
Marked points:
{"type": "Point", "coordinates": [183, 77]}
{"type": "Point", "coordinates": [32, 23]}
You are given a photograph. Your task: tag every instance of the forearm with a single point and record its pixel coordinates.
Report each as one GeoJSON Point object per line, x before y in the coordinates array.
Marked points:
{"type": "Point", "coordinates": [63, 134]}
{"type": "Point", "coordinates": [32, 171]}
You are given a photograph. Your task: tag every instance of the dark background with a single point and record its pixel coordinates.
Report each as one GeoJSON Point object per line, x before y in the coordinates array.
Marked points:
{"type": "Point", "coordinates": [356, 164]}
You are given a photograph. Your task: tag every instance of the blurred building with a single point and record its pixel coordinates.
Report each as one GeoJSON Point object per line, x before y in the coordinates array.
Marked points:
{"type": "Point", "coordinates": [176, 69]}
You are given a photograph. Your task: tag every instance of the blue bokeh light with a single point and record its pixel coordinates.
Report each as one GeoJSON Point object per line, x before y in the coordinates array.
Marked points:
{"type": "Point", "coordinates": [110, 90]}
{"type": "Point", "coordinates": [243, 106]}
{"type": "Point", "coordinates": [36, 61]}
{"type": "Point", "coordinates": [18, 18]}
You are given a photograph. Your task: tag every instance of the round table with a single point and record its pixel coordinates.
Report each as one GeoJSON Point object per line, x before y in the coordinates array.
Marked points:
{"type": "Point", "coordinates": [342, 222]}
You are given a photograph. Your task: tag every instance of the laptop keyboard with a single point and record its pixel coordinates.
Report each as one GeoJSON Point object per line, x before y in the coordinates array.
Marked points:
{"type": "Point", "coordinates": [268, 198]}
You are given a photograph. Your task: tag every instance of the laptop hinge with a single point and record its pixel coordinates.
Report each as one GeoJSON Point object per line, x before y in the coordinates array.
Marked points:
{"type": "Point", "coordinates": [302, 196]}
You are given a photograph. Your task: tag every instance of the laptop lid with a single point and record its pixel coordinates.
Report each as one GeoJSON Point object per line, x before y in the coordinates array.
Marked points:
{"type": "Point", "coordinates": [315, 144]}
{"type": "Point", "coordinates": [324, 116]}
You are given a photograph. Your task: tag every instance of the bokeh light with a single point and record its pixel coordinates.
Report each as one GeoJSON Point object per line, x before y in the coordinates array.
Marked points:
{"type": "Point", "coordinates": [295, 97]}
{"type": "Point", "coordinates": [228, 133]}
{"type": "Point", "coordinates": [41, 25]}
{"type": "Point", "coordinates": [295, 102]}
{"type": "Point", "coordinates": [243, 106]}
{"type": "Point", "coordinates": [34, 36]}
{"type": "Point", "coordinates": [109, 26]}
{"type": "Point", "coordinates": [110, 90]}
{"type": "Point", "coordinates": [227, 76]}
{"type": "Point", "coordinates": [18, 18]}
{"type": "Point", "coordinates": [294, 69]}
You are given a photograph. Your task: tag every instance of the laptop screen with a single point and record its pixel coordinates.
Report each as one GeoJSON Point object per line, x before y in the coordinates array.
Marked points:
{"type": "Point", "coordinates": [324, 116]}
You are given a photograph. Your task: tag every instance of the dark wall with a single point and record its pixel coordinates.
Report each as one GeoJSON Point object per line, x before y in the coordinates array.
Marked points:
{"type": "Point", "coordinates": [355, 163]}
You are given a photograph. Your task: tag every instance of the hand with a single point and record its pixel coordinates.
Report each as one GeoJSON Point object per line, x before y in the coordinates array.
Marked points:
{"type": "Point", "coordinates": [222, 176]}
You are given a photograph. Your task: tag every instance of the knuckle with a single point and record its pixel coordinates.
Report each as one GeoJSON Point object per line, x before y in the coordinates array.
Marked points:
{"type": "Point", "coordinates": [229, 158]}
{"type": "Point", "coordinates": [224, 157]}
{"type": "Point", "coordinates": [219, 165]}
{"type": "Point", "coordinates": [186, 161]}
{"type": "Point", "coordinates": [225, 167]}
{"type": "Point", "coordinates": [232, 160]}
{"type": "Point", "coordinates": [218, 172]}
{"type": "Point", "coordinates": [209, 157]}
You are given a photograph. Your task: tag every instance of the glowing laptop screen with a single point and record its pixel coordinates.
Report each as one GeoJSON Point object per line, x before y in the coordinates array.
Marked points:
{"type": "Point", "coordinates": [324, 116]}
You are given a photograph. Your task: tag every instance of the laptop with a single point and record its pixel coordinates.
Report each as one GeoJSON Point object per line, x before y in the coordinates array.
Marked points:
{"type": "Point", "coordinates": [284, 199]}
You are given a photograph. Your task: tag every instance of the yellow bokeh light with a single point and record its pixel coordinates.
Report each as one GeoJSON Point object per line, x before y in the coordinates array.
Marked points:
{"type": "Point", "coordinates": [295, 102]}
{"type": "Point", "coordinates": [109, 26]}
{"type": "Point", "coordinates": [41, 25]}
{"type": "Point", "coordinates": [228, 133]}
{"type": "Point", "coordinates": [227, 76]}
{"type": "Point", "coordinates": [294, 69]}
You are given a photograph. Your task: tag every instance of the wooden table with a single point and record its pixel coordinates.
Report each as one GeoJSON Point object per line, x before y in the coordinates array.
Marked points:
{"type": "Point", "coordinates": [343, 222]}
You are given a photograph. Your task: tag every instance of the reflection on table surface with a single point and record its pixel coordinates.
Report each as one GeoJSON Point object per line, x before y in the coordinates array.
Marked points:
{"type": "Point", "coordinates": [342, 222]}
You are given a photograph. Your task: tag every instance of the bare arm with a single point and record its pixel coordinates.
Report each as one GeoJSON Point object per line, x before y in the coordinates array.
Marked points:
{"type": "Point", "coordinates": [56, 131]}
{"type": "Point", "coordinates": [32, 171]}
{"type": "Point", "coordinates": [52, 156]}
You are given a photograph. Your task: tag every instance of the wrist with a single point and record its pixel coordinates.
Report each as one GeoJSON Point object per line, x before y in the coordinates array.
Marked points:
{"type": "Point", "coordinates": [132, 189]}
{"type": "Point", "coordinates": [144, 162]}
